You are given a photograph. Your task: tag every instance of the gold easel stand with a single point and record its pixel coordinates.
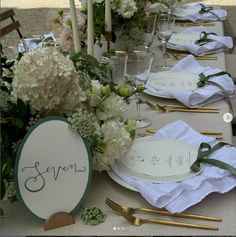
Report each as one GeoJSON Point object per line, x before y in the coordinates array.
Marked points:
{"type": "Point", "coordinates": [57, 220]}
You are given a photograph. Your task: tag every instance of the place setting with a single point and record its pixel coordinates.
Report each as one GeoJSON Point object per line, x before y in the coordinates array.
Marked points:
{"type": "Point", "coordinates": [175, 179]}
{"type": "Point", "coordinates": [198, 41]}
{"type": "Point", "coordinates": [199, 12]}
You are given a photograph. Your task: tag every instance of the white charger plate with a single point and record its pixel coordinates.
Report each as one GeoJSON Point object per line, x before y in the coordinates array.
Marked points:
{"type": "Point", "coordinates": [118, 180]}
{"type": "Point", "coordinates": [183, 12]}
{"type": "Point", "coordinates": [156, 160]}
{"type": "Point", "coordinates": [161, 83]}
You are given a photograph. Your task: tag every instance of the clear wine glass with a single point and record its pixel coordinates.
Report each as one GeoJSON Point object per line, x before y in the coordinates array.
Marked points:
{"type": "Point", "coordinates": [148, 25]}
{"type": "Point", "coordinates": [139, 65]}
{"type": "Point", "coordinates": [172, 5]}
{"type": "Point", "coordinates": [164, 28]}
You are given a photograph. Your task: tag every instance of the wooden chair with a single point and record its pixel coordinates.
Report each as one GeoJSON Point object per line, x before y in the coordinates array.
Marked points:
{"type": "Point", "coordinates": [14, 25]}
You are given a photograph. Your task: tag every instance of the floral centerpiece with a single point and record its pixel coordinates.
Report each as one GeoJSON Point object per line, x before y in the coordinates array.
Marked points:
{"type": "Point", "coordinates": [126, 22]}
{"type": "Point", "coordinates": [48, 81]}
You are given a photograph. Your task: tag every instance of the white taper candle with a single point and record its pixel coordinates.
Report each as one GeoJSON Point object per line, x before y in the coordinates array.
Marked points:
{"type": "Point", "coordinates": [75, 28]}
{"type": "Point", "coordinates": [108, 26]}
{"type": "Point", "coordinates": [90, 29]}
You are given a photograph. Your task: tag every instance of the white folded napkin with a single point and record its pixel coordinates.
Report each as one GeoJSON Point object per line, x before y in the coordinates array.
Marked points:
{"type": "Point", "coordinates": [186, 41]}
{"type": "Point", "coordinates": [177, 197]}
{"type": "Point", "coordinates": [191, 13]}
{"type": "Point", "coordinates": [201, 96]}
{"type": "Point", "coordinates": [36, 42]}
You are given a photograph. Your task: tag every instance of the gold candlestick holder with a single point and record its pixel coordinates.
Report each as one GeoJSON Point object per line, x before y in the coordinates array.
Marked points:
{"type": "Point", "coordinates": [108, 36]}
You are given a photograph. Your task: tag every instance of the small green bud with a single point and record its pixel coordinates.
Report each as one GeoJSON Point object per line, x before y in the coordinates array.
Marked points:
{"type": "Point", "coordinates": [124, 90]}
{"type": "Point", "coordinates": [106, 90]}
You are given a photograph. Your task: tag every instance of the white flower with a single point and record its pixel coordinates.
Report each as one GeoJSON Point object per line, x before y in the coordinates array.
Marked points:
{"type": "Point", "coordinates": [112, 107]}
{"type": "Point", "coordinates": [107, 64]}
{"type": "Point", "coordinates": [156, 7]}
{"type": "Point", "coordinates": [81, 19]}
{"type": "Point", "coordinates": [118, 143]}
{"type": "Point", "coordinates": [96, 87]}
{"type": "Point", "coordinates": [66, 39]}
{"type": "Point", "coordinates": [115, 4]}
{"type": "Point", "coordinates": [127, 8]}
{"type": "Point", "coordinates": [47, 80]}
{"type": "Point", "coordinates": [5, 98]}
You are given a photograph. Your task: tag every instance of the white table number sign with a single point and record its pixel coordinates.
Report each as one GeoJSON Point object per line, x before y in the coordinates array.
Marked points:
{"type": "Point", "coordinates": [53, 168]}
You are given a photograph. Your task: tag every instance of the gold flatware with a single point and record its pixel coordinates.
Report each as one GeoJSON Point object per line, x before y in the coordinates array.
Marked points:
{"type": "Point", "coordinates": [185, 107]}
{"type": "Point", "coordinates": [152, 130]}
{"type": "Point", "coordinates": [195, 23]}
{"type": "Point", "coordinates": [137, 221]}
{"type": "Point", "coordinates": [179, 56]}
{"type": "Point", "coordinates": [149, 134]}
{"type": "Point", "coordinates": [117, 207]}
{"type": "Point", "coordinates": [168, 109]}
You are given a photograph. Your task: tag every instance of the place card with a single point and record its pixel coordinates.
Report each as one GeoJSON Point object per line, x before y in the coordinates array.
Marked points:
{"type": "Point", "coordinates": [184, 38]}
{"type": "Point", "coordinates": [173, 80]}
{"type": "Point", "coordinates": [159, 160]}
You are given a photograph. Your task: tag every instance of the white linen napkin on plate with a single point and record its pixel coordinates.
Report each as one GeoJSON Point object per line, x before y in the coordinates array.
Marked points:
{"type": "Point", "coordinates": [220, 43]}
{"type": "Point", "coordinates": [191, 13]}
{"type": "Point", "coordinates": [36, 42]}
{"type": "Point", "coordinates": [177, 197]}
{"type": "Point", "coordinates": [201, 96]}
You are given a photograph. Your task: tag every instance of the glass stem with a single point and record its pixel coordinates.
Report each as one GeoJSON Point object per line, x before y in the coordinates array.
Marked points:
{"type": "Point", "coordinates": [163, 42]}
{"type": "Point", "coordinates": [138, 107]}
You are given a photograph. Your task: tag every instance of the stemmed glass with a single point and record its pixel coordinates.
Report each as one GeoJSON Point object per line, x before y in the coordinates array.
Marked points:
{"type": "Point", "coordinates": [148, 25]}
{"type": "Point", "coordinates": [164, 28]}
{"type": "Point", "coordinates": [172, 5]}
{"type": "Point", "coordinates": [139, 65]}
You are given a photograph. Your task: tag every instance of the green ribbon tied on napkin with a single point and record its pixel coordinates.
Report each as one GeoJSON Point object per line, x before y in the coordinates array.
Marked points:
{"type": "Point", "coordinates": [205, 9]}
{"type": "Point", "coordinates": [204, 151]}
{"type": "Point", "coordinates": [203, 38]}
{"type": "Point", "coordinates": [204, 80]}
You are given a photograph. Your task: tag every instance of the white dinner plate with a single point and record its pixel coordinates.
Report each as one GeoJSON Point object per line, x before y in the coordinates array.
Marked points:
{"type": "Point", "coordinates": [183, 12]}
{"type": "Point", "coordinates": [118, 180]}
{"type": "Point", "coordinates": [156, 94]}
{"type": "Point", "coordinates": [159, 160]}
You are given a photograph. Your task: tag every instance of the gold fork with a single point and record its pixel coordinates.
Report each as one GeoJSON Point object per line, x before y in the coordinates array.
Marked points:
{"type": "Point", "coordinates": [137, 221]}
{"type": "Point", "coordinates": [118, 208]}
{"type": "Point", "coordinates": [180, 56]}
{"type": "Point", "coordinates": [195, 23]}
{"type": "Point", "coordinates": [152, 130]}
{"type": "Point", "coordinates": [168, 108]}
{"type": "Point", "coordinates": [149, 134]}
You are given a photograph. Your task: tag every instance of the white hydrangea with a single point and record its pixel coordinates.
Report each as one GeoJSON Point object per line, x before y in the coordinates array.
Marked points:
{"type": "Point", "coordinates": [112, 107]}
{"type": "Point", "coordinates": [127, 8]}
{"type": "Point", "coordinates": [4, 100]}
{"type": "Point", "coordinates": [118, 143]}
{"type": "Point", "coordinates": [156, 7]}
{"type": "Point", "coordinates": [47, 80]}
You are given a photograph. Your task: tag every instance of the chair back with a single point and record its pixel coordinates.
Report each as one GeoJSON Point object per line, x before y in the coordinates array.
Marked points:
{"type": "Point", "coordinates": [8, 28]}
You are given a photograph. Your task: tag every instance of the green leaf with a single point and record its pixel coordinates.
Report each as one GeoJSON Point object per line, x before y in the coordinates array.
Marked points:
{"type": "Point", "coordinates": [18, 123]}
{"type": "Point", "coordinates": [2, 190]}
{"type": "Point", "coordinates": [21, 108]}
{"type": "Point", "coordinates": [4, 168]}
{"type": "Point", "coordinates": [1, 213]}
